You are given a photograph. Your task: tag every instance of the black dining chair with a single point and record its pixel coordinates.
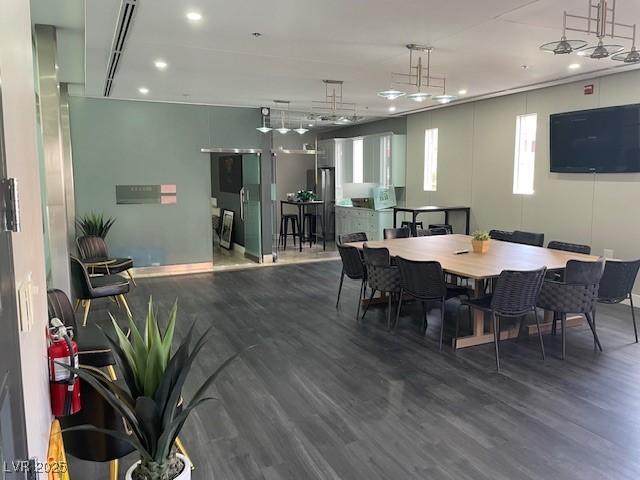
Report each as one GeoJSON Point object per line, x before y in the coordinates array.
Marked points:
{"type": "Point", "coordinates": [88, 288]}
{"type": "Point", "coordinates": [502, 235]}
{"type": "Point", "coordinates": [413, 226]}
{"type": "Point", "coordinates": [577, 294]}
{"type": "Point", "coordinates": [431, 232]}
{"type": "Point", "coordinates": [391, 233]}
{"type": "Point", "coordinates": [424, 280]}
{"type": "Point", "coordinates": [93, 250]}
{"type": "Point", "coordinates": [382, 277]}
{"type": "Point", "coordinates": [616, 284]}
{"type": "Point", "coordinates": [353, 267]}
{"type": "Point", "coordinates": [446, 226]}
{"type": "Point", "coordinates": [569, 247]}
{"type": "Point", "coordinates": [514, 296]}
{"type": "Point", "coordinates": [528, 238]}
{"type": "Point", "coordinates": [352, 237]}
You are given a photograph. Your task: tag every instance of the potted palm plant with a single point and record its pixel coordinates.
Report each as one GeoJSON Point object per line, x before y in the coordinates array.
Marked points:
{"type": "Point", "coordinates": [94, 225]}
{"type": "Point", "coordinates": [480, 241]}
{"type": "Point", "coordinates": [152, 403]}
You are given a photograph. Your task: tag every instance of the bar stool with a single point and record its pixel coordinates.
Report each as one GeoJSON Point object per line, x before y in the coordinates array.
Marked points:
{"type": "Point", "coordinates": [310, 227]}
{"type": "Point", "coordinates": [412, 226]}
{"type": "Point", "coordinates": [284, 229]}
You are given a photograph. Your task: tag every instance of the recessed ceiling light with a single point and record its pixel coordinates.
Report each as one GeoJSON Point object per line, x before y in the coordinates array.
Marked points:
{"type": "Point", "coordinates": [524, 66]}
{"type": "Point", "coordinates": [160, 64]}
{"type": "Point", "coordinates": [462, 92]}
{"type": "Point", "coordinates": [143, 90]}
{"type": "Point", "coordinates": [194, 16]}
{"type": "Point", "coordinates": [256, 34]}
{"type": "Point", "coordinates": [311, 124]}
{"type": "Point", "coordinates": [574, 66]}
{"type": "Point", "coordinates": [392, 109]}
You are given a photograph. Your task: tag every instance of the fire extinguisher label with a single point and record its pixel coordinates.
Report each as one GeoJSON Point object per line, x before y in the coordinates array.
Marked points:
{"type": "Point", "coordinates": [60, 373]}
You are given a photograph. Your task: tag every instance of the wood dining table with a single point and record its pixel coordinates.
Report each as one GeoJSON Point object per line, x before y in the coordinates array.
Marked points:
{"type": "Point", "coordinates": [480, 268]}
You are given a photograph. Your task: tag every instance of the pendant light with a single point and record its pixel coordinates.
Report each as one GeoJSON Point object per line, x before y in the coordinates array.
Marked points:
{"type": "Point", "coordinates": [283, 130]}
{"type": "Point", "coordinates": [264, 128]}
{"type": "Point", "coordinates": [600, 21]}
{"type": "Point", "coordinates": [301, 130]}
{"type": "Point", "coordinates": [391, 94]}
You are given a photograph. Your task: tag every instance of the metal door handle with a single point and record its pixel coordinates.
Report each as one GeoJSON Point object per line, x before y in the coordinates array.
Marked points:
{"type": "Point", "coordinates": [242, 203]}
{"type": "Point", "coordinates": [9, 205]}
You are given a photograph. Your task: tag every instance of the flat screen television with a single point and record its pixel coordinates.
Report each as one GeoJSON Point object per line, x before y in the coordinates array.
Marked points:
{"type": "Point", "coordinates": [602, 140]}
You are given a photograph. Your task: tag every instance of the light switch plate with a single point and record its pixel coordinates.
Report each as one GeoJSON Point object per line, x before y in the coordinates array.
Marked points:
{"type": "Point", "coordinates": [26, 291]}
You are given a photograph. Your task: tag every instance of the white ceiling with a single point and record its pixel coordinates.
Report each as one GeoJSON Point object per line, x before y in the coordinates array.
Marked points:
{"type": "Point", "coordinates": [480, 46]}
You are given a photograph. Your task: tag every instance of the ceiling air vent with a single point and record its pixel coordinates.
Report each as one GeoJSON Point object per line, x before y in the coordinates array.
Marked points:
{"type": "Point", "coordinates": [125, 20]}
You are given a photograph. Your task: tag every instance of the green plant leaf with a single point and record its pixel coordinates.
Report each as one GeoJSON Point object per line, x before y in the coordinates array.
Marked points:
{"type": "Point", "coordinates": [125, 345]}
{"type": "Point", "coordinates": [124, 364]}
{"type": "Point", "coordinates": [167, 340]}
{"type": "Point", "coordinates": [131, 440]}
{"type": "Point", "coordinates": [149, 418]}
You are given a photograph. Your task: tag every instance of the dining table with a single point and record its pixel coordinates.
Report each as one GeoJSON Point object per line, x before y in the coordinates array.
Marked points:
{"type": "Point", "coordinates": [301, 208]}
{"type": "Point", "coordinates": [480, 268]}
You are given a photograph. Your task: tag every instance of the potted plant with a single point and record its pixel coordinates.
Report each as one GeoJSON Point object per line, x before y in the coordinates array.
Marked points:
{"type": "Point", "coordinates": [480, 241]}
{"type": "Point", "coordinates": [152, 403]}
{"type": "Point", "coordinates": [94, 225]}
{"type": "Point", "coordinates": [305, 196]}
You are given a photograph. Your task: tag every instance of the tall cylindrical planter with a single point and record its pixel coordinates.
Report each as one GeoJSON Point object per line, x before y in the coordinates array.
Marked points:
{"type": "Point", "coordinates": [184, 475]}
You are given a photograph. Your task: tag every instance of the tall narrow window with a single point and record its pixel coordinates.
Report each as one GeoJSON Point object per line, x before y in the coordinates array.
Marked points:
{"type": "Point", "coordinates": [358, 160]}
{"type": "Point", "coordinates": [430, 159]}
{"type": "Point", "coordinates": [524, 158]}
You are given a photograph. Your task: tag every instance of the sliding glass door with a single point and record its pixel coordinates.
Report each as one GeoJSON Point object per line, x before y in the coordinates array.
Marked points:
{"type": "Point", "coordinates": [251, 204]}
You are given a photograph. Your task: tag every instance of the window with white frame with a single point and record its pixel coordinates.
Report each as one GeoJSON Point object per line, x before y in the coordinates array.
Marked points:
{"type": "Point", "coordinates": [358, 160]}
{"type": "Point", "coordinates": [524, 158]}
{"type": "Point", "coordinates": [430, 159]}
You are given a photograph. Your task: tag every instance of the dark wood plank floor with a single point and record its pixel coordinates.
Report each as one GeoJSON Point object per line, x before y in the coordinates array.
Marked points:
{"type": "Point", "coordinates": [321, 397]}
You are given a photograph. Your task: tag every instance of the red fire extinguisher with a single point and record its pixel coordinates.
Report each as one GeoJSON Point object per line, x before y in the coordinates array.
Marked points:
{"type": "Point", "coordinates": [64, 385]}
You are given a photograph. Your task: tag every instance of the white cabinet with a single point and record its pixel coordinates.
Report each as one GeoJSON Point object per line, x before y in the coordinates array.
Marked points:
{"type": "Point", "coordinates": [354, 219]}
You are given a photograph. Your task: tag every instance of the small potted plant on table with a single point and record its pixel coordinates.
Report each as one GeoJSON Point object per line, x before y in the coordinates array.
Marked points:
{"type": "Point", "coordinates": [152, 404]}
{"type": "Point", "coordinates": [480, 241]}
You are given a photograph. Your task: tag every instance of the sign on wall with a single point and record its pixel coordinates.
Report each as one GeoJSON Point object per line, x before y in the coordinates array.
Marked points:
{"type": "Point", "coordinates": [164, 194]}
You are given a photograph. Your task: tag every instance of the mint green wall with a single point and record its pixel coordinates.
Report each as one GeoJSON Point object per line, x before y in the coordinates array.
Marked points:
{"type": "Point", "coordinates": [117, 142]}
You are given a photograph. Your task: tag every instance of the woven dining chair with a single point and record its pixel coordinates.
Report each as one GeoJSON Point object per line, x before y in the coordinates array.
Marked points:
{"type": "Point", "coordinates": [353, 267]}
{"type": "Point", "coordinates": [425, 282]}
{"type": "Point", "coordinates": [514, 296]}
{"type": "Point", "coordinates": [616, 284]}
{"type": "Point", "coordinates": [391, 233]}
{"type": "Point", "coordinates": [569, 247]}
{"type": "Point", "coordinates": [577, 294]}
{"type": "Point", "coordinates": [382, 277]}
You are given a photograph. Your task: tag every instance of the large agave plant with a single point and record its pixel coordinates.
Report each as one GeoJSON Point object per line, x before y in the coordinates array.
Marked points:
{"type": "Point", "coordinates": [151, 403]}
{"type": "Point", "coordinates": [94, 225]}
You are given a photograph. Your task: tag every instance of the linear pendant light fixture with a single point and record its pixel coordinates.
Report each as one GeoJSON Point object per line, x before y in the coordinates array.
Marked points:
{"type": "Point", "coordinates": [282, 103]}
{"type": "Point", "coordinates": [601, 22]}
{"type": "Point", "coordinates": [419, 76]}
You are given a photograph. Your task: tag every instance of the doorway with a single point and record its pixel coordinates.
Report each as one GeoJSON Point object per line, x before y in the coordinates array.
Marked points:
{"type": "Point", "coordinates": [236, 207]}
{"type": "Point", "coordinates": [13, 440]}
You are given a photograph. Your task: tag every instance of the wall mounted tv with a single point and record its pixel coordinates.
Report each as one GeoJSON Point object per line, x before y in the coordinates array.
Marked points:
{"type": "Point", "coordinates": [602, 140]}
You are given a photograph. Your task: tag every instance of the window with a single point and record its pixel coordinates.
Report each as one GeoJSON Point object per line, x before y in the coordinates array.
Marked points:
{"type": "Point", "coordinates": [358, 160]}
{"type": "Point", "coordinates": [430, 159]}
{"type": "Point", "coordinates": [385, 160]}
{"type": "Point", "coordinates": [524, 157]}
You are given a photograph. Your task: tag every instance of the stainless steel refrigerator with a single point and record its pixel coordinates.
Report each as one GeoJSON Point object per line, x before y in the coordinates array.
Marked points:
{"type": "Point", "coordinates": [325, 190]}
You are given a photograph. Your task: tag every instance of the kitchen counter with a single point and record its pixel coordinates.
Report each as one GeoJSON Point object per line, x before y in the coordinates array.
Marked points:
{"type": "Point", "coordinates": [356, 219]}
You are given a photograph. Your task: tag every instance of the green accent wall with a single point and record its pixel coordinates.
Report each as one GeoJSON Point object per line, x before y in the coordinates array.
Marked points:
{"type": "Point", "coordinates": [119, 142]}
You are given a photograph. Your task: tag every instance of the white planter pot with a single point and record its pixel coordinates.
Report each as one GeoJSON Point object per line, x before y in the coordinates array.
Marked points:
{"type": "Point", "coordinates": [185, 475]}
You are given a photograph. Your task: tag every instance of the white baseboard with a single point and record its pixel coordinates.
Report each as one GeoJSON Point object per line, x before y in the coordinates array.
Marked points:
{"type": "Point", "coordinates": [165, 270]}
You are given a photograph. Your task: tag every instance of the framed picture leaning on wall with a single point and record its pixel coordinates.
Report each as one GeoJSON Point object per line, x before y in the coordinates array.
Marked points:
{"type": "Point", "coordinates": [227, 228]}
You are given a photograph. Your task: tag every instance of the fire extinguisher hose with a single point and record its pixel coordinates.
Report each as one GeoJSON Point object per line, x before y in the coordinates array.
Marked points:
{"type": "Point", "coordinates": [70, 380]}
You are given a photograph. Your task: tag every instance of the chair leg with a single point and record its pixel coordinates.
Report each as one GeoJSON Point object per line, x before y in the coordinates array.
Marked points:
{"type": "Point", "coordinates": [183, 451]}
{"type": "Point", "coordinates": [399, 307]}
{"type": "Point", "coordinates": [633, 316]}
{"type": "Point", "coordinates": [76, 305]}
{"type": "Point", "coordinates": [441, 322]}
{"type": "Point", "coordinates": [389, 304]}
{"type": "Point", "coordinates": [539, 334]}
{"type": "Point", "coordinates": [373, 292]}
{"type": "Point", "coordinates": [112, 372]}
{"type": "Point", "coordinates": [563, 326]}
{"type": "Point", "coordinates": [593, 328]}
{"type": "Point", "coordinates": [113, 469]}
{"type": "Point", "coordinates": [340, 287]}
{"type": "Point", "coordinates": [363, 289]}
{"type": "Point", "coordinates": [425, 318]}
{"type": "Point", "coordinates": [126, 305]}
{"type": "Point", "coordinates": [457, 331]}
{"type": "Point", "coordinates": [133, 280]}
{"type": "Point", "coordinates": [87, 306]}
{"type": "Point", "coordinates": [496, 332]}
{"type": "Point", "coordinates": [553, 325]}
